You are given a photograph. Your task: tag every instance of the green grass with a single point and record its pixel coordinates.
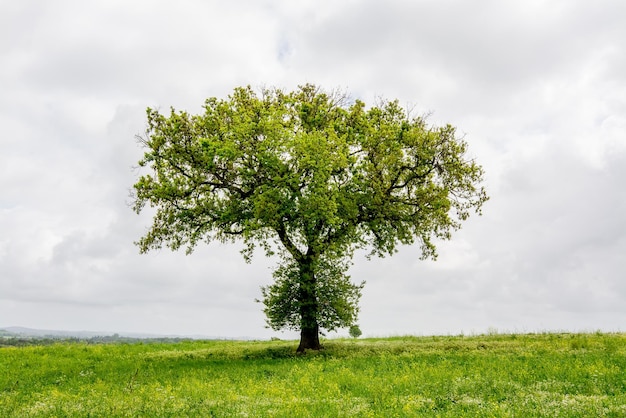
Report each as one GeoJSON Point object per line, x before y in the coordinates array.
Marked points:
{"type": "Point", "coordinates": [552, 375]}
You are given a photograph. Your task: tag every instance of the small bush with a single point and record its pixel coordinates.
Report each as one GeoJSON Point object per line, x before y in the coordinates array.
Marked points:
{"type": "Point", "coordinates": [355, 331]}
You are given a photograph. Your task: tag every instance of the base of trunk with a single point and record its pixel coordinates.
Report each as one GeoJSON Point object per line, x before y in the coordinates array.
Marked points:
{"type": "Point", "coordinates": [309, 340]}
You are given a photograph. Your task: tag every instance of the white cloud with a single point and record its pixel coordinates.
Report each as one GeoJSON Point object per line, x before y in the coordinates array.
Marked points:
{"type": "Point", "coordinates": [537, 87]}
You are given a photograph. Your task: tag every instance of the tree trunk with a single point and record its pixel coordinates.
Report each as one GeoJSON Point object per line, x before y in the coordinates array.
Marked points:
{"type": "Point", "coordinates": [309, 339]}
{"type": "Point", "coordinates": [309, 328]}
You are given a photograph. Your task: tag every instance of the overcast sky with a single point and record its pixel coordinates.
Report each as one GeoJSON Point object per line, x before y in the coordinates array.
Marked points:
{"type": "Point", "coordinates": [538, 89]}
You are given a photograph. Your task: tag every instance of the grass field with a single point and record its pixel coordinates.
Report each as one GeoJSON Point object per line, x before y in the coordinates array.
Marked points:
{"type": "Point", "coordinates": [551, 375]}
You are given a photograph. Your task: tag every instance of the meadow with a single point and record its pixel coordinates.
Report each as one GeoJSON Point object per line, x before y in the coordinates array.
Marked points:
{"type": "Point", "coordinates": [530, 375]}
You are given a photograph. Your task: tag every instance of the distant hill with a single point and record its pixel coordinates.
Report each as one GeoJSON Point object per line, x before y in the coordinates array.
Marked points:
{"type": "Point", "coordinates": [42, 333]}
{"type": "Point", "coordinates": [22, 332]}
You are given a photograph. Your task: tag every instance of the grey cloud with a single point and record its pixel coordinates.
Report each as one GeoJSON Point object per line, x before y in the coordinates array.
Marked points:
{"type": "Point", "coordinates": [128, 52]}
{"type": "Point", "coordinates": [471, 58]}
{"type": "Point", "coordinates": [536, 87]}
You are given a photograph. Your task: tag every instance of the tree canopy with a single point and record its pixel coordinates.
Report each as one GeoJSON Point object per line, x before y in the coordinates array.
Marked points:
{"type": "Point", "coordinates": [311, 176]}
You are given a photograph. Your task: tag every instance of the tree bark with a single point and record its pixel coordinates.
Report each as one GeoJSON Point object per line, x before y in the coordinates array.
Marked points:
{"type": "Point", "coordinates": [309, 328]}
{"type": "Point", "coordinates": [309, 339]}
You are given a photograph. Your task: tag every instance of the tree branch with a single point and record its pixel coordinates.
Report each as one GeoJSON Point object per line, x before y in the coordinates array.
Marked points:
{"type": "Point", "coordinates": [281, 231]}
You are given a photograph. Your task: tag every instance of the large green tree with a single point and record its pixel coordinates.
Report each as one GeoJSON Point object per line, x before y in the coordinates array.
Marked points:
{"type": "Point", "coordinates": [308, 175]}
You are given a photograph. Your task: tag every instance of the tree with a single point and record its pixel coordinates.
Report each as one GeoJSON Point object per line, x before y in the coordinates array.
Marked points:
{"type": "Point", "coordinates": [308, 176]}
{"type": "Point", "coordinates": [355, 331]}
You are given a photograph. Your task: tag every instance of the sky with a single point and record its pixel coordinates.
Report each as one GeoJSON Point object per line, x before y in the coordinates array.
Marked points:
{"type": "Point", "coordinates": [536, 88]}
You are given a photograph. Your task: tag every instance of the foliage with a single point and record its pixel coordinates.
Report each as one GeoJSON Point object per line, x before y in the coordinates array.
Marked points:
{"type": "Point", "coordinates": [336, 295]}
{"type": "Point", "coordinates": [565, 375]}
{"type": "Point", "coordinates": [355, 331]}
{"type": "Point", "coordinates": [310, 175]}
